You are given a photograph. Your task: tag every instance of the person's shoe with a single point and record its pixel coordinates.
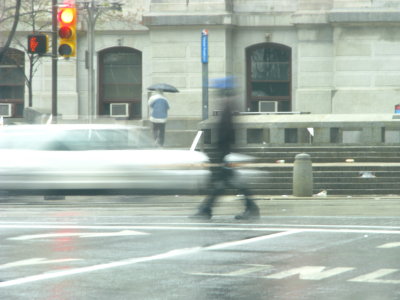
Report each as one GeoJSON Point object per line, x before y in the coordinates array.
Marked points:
{"type": "Point", "coordinates": [251, 213]}
{"type": "Point", "coordinates": [202, 214]}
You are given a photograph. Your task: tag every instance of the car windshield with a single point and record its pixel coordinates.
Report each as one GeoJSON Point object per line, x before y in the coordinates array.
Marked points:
{"type": "Point", "coordinates": [74, 138]}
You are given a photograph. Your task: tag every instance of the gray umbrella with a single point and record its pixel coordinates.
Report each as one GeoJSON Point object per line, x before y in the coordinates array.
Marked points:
{"type": "Point", "coordinates": [165, 87]}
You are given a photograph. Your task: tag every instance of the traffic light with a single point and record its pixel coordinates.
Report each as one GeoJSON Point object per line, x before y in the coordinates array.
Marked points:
{"type": "Point", "coordinates": [38, 44]}
{"type": "Point", "coordinates": [67, 31]}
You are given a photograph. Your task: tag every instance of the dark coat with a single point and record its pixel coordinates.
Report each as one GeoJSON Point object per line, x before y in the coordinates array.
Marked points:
{"type": "Point", "coordinates": [225, 133]}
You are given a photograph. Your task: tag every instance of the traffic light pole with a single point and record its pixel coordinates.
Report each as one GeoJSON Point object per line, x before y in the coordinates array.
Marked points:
{"type": "Point", "coordinates": [93, 12]}
{"type": "Point", "coordinates": [54, 61]}
{"type": "Point", "coordinates": [92, 18]}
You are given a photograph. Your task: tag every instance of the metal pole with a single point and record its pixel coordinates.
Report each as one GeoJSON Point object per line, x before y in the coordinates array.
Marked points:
{"type": "Point", "coordinates": [54, 58]}
{"type": "Point", "coordinates": [90, 37]}
{"type": "Point", "coordinates": [205, 90]}
{"type": "Point", "coordinates": [93, 12]}
{"type": "Point", "coordinates": [204, 60]}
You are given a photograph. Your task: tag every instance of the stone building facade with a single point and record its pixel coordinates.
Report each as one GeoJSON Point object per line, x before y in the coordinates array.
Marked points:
{"type": "Point", "coordinates": [316, 56]}
{"type": "Point", "coordinates": [341, 56]}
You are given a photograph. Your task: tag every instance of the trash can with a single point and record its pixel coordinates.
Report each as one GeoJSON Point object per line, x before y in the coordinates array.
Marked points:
{"type": "Point", "coordinates": [397, 109]}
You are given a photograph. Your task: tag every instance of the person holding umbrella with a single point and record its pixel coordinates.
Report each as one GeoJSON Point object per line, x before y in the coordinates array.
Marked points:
{"type": "Point", "coordinates": [221, 173]}
{"type": "Point", "coordinates": [159, 106]}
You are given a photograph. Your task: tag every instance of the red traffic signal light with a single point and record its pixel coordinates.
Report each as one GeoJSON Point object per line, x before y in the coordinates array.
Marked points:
{"type": "Point", "coordinates": [67, 31]}
{"type": "Point", "coordinates": [38, 44]}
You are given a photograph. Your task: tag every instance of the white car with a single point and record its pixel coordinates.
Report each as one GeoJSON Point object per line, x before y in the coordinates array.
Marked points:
{"type": "Point", "coordinates": [90, 158]}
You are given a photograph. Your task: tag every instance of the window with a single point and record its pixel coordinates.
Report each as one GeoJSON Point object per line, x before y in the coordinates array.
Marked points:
{"type": "Point", "coordinates": [268, 75]}
{"type": "Point", "coordinates": [121, 80]}
{"type": "Point", "coordinates": [12, 81]}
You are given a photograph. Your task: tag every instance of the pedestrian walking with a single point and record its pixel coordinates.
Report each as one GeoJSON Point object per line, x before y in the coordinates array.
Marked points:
{"type": "Point", "coordinates": [159, 107]}
{"type": "Point", "coordinates": [222, 175]}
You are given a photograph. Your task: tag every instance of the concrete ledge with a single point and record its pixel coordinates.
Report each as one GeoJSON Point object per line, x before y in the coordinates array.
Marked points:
{"type": "Point", "coordinates": [367, 16]}
{"type": "Point", "coordinates": [310, 129]}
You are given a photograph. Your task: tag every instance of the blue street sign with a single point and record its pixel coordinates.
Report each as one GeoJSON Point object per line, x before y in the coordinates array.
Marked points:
{"type": "Point", "coordinates": [204, 46]}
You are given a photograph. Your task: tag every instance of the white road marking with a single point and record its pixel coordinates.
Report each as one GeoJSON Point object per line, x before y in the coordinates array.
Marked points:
{"type": "Point", "coordinates": [204, 225]}
{"type": "Point", "coordinates": [252, 269]}
{"type": "Point", "coordinates": [96, 267]}
{"type": "Point", "coordinates": [131, 261]}
{"type": "Point", "coordinates": [79, 234]}
{"type": "Point", "coordinates": [374, 277]}
{"type": "Point", "coordinates": [310, 272]}
{"type": "Point", "coordinates": [212, 227]}
{"type": "Point", "coordinates": [251, 240]}
{"type": "Point", "coordinates": [35, 261]}
{"type": "Point", "coordinates": [390, 245]}
{"type": "Point", "coordinates": [255, 225]}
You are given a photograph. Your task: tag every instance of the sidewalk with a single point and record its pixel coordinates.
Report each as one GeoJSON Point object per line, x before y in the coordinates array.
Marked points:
{"type": "Point", "coordinates": [277, 206]}
{"type": "Point", "coordinates": [226, 206]}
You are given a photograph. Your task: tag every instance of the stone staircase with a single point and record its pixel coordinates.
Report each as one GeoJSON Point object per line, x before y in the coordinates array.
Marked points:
{"type": "Point", "coordinates": [374, 170]}
{"type": "Point", "coordinates": [331, 154]}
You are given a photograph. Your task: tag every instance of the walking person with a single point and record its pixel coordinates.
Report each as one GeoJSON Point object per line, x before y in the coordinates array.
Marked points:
{"type": "Point", "coordinates": [222, 174]}
{"type": "Point", "coordinates": [159, 107]}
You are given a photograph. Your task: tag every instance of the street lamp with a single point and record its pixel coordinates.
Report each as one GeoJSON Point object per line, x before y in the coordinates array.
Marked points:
{"type": "Point", "coordinates": [93, 11]}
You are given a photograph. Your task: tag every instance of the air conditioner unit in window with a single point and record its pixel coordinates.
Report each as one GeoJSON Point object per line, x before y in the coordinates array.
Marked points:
{"type": "Point", "coordinates": [119, 109]}
{"type": "Point", "coordinates": [6, 109]}
{"type": "Point", "coordinates": [268, 106]}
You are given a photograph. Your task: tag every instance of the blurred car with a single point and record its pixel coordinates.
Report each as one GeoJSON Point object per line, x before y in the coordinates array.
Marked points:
{"type": "Point", "coordinates": [94, 159]}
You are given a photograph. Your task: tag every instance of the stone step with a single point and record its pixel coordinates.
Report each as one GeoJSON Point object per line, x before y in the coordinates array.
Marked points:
{"type": "Point", "coordinates": [334, 175]}
{"type": "Point", "coordinates": [326, 154]}
{"type": "Point", "coordinates": [349, 192]}
{"type": "Point", "coordinates": [359, 182]}
{"type": "Point", "coordinates": [343, 179]}
{"type": "Point", "coordinates": [338, 169]}
{"type": "Point", "coordinates": [333, 159]}
{"type": "Point", "coordinates": [318, 149]}
{"type": "Point", "coordinates": [353, 185]}
{"type": "Point", "coordinates": [321, 157]}
{"type": "Point", "coordinates": [356, 180]}
{"type": "Point", "coordinates": [321, 180]}
{"type": "Point", "coordinates": [353, 192]}
{"type": "Point", "coordinates": [330, 171]}
{"type": "Point", "coordinates": [368, 191]}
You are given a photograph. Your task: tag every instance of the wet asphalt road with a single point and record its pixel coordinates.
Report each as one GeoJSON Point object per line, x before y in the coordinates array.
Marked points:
{"type": "Point", "coordinates": [135, 247]}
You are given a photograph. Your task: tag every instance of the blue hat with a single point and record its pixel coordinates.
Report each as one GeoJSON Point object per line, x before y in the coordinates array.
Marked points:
{"type": "Point", "coordinates": [227, 82]}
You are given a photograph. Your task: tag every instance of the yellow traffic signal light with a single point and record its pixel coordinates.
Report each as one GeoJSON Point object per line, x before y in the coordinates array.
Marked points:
{"type": "Point", "coordinates": [67, 31]}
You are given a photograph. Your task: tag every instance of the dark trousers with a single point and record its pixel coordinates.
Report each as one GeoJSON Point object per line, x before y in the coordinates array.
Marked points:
{"type": "Point", "coordinates": [221, 179]}
{"type": "Point", "coordinates": [159, 133]}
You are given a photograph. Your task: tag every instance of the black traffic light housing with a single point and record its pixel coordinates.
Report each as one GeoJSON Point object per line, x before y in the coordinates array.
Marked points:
{"type": "Point", "coordinates": [38, 44]}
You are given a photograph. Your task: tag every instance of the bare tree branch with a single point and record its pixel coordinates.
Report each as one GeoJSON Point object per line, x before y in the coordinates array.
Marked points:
{"type": "Point", "coordinates": [13, 30]}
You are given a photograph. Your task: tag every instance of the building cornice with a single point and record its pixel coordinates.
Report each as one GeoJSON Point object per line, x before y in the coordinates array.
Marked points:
{"type": "Point", "coordinates": [187, 19]}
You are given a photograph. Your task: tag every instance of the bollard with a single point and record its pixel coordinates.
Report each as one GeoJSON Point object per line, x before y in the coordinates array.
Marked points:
{"type": "Point", "coordinates": [302, 176]}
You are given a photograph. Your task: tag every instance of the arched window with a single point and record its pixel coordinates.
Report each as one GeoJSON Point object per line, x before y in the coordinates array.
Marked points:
{"type": "Point", "coordinates": [268, 76]}
{"type": "Point", "coordinates": [12, 83]}
{"type": "Point", "coordinates": [120, 82]}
